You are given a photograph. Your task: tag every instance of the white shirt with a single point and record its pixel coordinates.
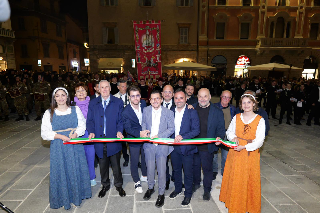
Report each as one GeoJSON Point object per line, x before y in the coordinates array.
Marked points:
{"type": "Point", "coordinates": [170, 104]}
{"type": "Point", "coordinates": [260, 133]}
{"type": "Point", "coordinates": [156, 114]}
{"type": "Point", "coordinates": [46, 128]}
{"type": "Point", "coordinates": [138, 113]}
{"type": "Point", "coordinates": [177, 120]}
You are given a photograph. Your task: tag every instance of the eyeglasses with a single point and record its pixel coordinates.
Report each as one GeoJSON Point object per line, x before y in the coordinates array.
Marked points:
{"type": "Point", "coordinates": [155, 99]}
{"type": "Point", "coordinates": [167, 92]}
{"type": "Point", "coordinates": [225, 97]}
{"type": "Point", "coordinates": [135, 96]}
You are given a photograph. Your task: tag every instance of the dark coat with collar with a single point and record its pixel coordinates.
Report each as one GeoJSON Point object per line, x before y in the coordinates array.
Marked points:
{"type": "Point", "coordinates": [190, 128]}
{"type": "Point", "coordinates": [95, 124]}
{"type": "Point", "coordinates": [215, 126]}
{"type": "Point", "coordinates": [232, 108]}
{"type": "Point", "coordinates": [131, 122]}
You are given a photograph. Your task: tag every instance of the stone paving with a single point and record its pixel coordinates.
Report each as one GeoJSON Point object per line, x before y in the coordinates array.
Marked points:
{"type": "Point", "coordinates": [290, 175]}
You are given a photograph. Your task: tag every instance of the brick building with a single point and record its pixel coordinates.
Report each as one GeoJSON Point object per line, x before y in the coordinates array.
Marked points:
{"type": "Point", "coordinates": [7, 37]}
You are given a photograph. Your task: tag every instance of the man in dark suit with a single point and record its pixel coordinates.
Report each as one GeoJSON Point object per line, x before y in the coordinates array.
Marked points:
{"type": "Point", "coordinates": [272, 99]}
{"type": "Point", "coordinates": [315, 105]}
{"type": "Point", "coordinates": [96, 89]}
{"type": "Point", "coordinates": [211, 126]}
{"type": "Point", "coordinates": [190, 96]}
{"type": "Point", "coordinates": [168, 102]}
{"type": "Point", "coordinates": [239, 92]}
{"type": "Point", "coordinates": [104, 121]}
{"type": "Point", "coordinates": [187, 126]}
{"type": "Point", "coordinates": [286, 99]}
{"type": "Point", "coordinates": [160, 85]}
{"type": "Point", "coordinates": [179, 85]}
{"type": "Point", "coordinates": [132, 120]}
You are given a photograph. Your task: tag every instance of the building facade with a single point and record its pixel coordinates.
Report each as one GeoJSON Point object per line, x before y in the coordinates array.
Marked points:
{"type": "Point", "coordinates": [111, 36]}
{"type": "Point", "coordinates": [261, 31]}
{"type": "Point", "coordinates": [7, 37]}
{"type": "Point", "coordinates": [40, 35]}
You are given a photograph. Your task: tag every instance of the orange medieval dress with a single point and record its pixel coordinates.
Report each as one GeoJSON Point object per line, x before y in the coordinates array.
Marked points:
{"type": "Point", "coordinates": [241, 183]}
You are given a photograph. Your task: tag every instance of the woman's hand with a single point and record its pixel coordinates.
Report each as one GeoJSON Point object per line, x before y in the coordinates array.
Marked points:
{"type": "Point", "coordinates": [236, 140]}
{"type": "Point", "coordinates": [74, 135]}
{"type": "Point", "coordinates": [64, 138]}
{"type": "Point", "coordinates": [239, 148]}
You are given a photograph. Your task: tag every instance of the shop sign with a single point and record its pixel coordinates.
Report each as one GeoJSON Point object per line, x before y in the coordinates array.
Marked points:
{"type": "Point", "coordinates": [243, 62]}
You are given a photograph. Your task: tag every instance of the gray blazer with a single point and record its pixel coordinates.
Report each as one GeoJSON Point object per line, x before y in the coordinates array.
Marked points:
{"type": "Point", "coordinates": [166, 128]}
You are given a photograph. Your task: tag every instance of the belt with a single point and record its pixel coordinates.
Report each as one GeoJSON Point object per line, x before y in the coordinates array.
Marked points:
{"type": "Point", "coordinates": [66, 130]}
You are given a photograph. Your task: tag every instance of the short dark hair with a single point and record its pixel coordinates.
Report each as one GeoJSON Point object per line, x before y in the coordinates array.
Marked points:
{"type": "Point", "coordinates": [156, 92]}
{"type": "Point", "coordinates": [134, 89]}
{"type": "Point", "coordinates": [81, 84]}
{"type": "Point", "coordinates": [190, 84]}
{"type": "Point", "coordinates": [180, 90]}
{"type": "Point", "coordinates": [95, 83]}
{"type": "Point", "coordinates": [121, 82]}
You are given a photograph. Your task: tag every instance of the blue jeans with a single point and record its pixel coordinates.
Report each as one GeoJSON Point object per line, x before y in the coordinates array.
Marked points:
{"type": "Point", "coordinates": [224, 154]}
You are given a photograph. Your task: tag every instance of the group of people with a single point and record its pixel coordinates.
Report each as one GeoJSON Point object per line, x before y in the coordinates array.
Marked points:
{"type": "Point", "coordinates": [167, 113]}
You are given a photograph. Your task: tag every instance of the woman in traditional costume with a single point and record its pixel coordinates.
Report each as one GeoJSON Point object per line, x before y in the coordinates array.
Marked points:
{"type": "Point", "coordinates": [69, 174]}
{"type": "Point", "coordinates": [82, 101]}
{"type": "Point", "coordinates": [241, 183]}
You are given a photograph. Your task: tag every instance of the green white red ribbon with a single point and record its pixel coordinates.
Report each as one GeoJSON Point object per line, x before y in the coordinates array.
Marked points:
{"type": "Point", "coordinates": [164, 141]}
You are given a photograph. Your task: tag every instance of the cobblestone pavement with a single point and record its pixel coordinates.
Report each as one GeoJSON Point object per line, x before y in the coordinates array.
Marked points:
{"type": "Point", "coordinates": [290, 175]}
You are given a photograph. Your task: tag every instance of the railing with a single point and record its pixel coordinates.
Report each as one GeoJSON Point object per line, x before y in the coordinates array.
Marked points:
{"type": "Point", "coordinates": [283, 42]}
{"type": "Point", "coordinates": [6, 33]}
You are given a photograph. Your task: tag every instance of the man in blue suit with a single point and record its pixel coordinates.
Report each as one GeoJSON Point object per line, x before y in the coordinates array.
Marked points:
{"type": "Point", "coordinates": [157, 122]}
{"type": "Point", "coordinates": [104, 121]}
{"type": "Point", "coordinates": [211, 126]}
{"type": "Point", "coordinates": [132, 120]}
{"type": "Point", "coordinates": [187, 126]}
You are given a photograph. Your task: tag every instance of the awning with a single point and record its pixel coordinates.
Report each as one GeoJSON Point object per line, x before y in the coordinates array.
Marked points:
{"type": "Point", "coordinates": [110, 63]}
{"type": "Point", "coordinates": [189, 66]}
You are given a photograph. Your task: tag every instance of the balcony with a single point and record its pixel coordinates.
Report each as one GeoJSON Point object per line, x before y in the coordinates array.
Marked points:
{"type": "Point", "coordinates": [282, 42]}
{"type": "Point", "coordinates": [6, 33]}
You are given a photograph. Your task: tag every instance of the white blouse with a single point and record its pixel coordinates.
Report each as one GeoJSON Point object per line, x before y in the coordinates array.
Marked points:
{"type": "Point", "coordinates": [260, 133]}
{"type": "Point", "coordinates": [46, 128]}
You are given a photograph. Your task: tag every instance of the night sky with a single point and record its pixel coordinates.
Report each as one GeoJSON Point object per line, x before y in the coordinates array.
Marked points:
{"type": "Point", "coordinates": [76, 8]}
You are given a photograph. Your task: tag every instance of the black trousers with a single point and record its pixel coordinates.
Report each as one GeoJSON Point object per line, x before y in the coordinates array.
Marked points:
{"type": "Point", "coordinates": [271, 104]}
{"type": "Point", "coordinates": [125, 151]}
{"type": "Point", "coordinates": [104, 164]}
{"type": "Point", "coordinates": [298, 112]}
{"type": "Point", "coordinates": [314, 113]}
{"type": "Point", "coordinates": [285, 109]}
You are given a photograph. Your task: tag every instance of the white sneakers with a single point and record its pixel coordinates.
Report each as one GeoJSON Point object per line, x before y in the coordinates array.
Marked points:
{"type": "Point", "coordinates": [138, 187]}
{"type": "Point", "coordinates": [143, 179]}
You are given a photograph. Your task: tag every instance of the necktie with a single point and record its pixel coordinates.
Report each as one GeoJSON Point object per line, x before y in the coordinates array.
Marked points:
{"type": "Point", "coordinates": [104, 117]}
{"type": "Point", "coordinates": [167, 104]}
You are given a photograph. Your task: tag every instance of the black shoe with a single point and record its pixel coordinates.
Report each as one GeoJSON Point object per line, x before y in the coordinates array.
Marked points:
{"type": "Point", "coordinates": [122, 193]}
{"type": "Point", "coordinates": [274, 117]}
{"type": "Point", "coordinates": [139, 165]}
{"type": "Point", "coordinates": [27, 118]}
{"type": "Point", "coordinates": [6, 118]}
{"type": "Point", "coordinates": [298, 123]}
{"type": "Point", "coordinates": [148, 194]}
{"type": "Point", "coordinates": [195, 188]}
{"type": "Point", "coordinates": [308, 124]}
{"type": "Point", "coordinates": [1, 118]}
{"type": "Point", "coordinates": [126, 163]}
{"type": "Point", "coordinates": [317, 124]}
{"type": "Point", "coordinates": [206, 196]}
{"type": "Point", "coordinates": [20, 118]}
{"type": "Point", "coordinates": [160, 201]}
{"type": "Point", "coordinates": [288, 123]}
{"type": "Point", "coordinates": [167, 184]}
{"type": "Point", "coordinates": [174, 194]}
{"type": "Point", "coordinates": [214, 176]}
{"type": "Point", "coordinates": [103, 191]}
{"type": "Point", "coordinates": [38, 118]}
{"type": "Point", "coordinates": [186, 201]}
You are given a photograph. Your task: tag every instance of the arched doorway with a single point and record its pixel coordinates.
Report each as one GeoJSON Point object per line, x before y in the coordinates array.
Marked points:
{"type": "Point", "coordinates": [277, 59]}
{"type": "Point", "coordinates": [220, 62]}
{"type": "Point", "coordinates": [310, 68]}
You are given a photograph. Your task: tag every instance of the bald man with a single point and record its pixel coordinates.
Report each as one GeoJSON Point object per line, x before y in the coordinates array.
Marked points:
{"type": "Point", "coordinates": [167, 94]}
{"type": "Point", "coordinates": [211, 126]}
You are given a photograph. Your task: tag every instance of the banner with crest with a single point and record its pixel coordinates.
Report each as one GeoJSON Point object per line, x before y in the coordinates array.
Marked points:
{"type": "Point", "coordinates": [148, 48]}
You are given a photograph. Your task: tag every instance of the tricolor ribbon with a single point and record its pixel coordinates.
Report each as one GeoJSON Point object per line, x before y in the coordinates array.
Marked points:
{"type": "Point", "coordinates": [164, 141]}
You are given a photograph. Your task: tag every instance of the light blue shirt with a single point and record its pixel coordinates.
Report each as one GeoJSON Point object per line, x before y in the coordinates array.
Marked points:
{"type": "Point", "coordinates": [103, 102]}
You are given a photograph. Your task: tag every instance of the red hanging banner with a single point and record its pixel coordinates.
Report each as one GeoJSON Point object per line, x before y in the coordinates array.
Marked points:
{"type": "Point", "coordinates": [148, 48]}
